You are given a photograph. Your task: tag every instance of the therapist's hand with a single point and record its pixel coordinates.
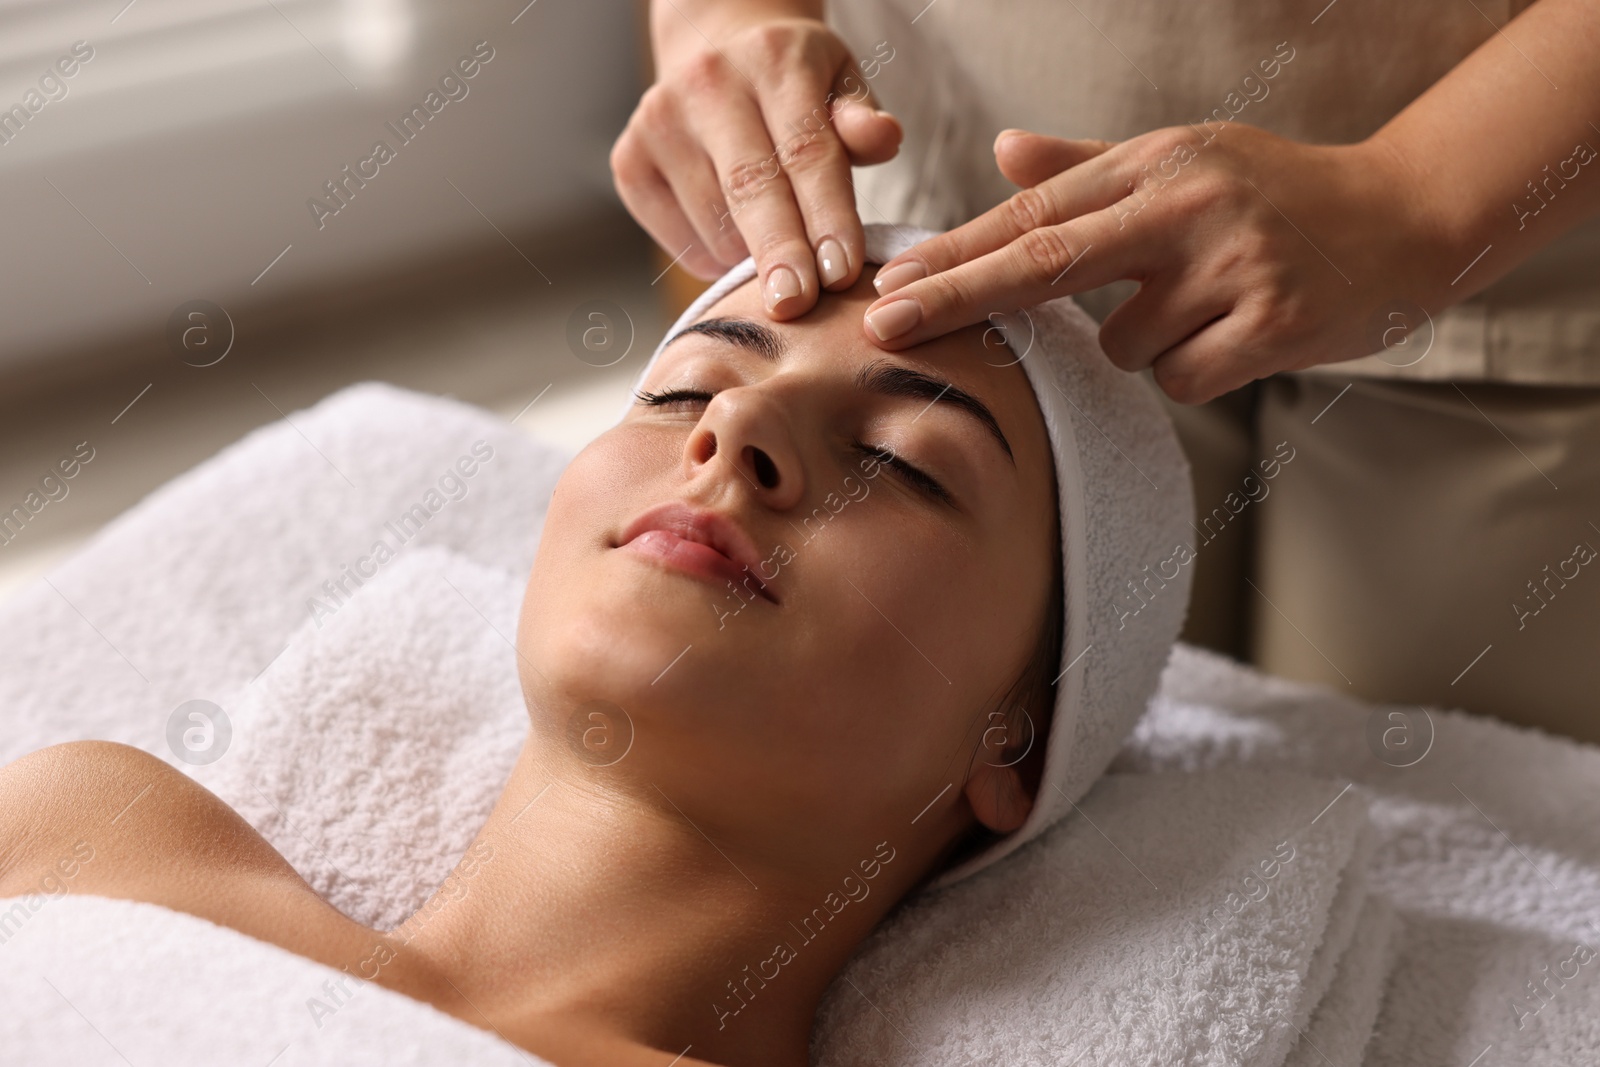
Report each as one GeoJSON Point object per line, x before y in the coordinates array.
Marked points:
{"type": "Point", "coordinates": [1255, 254]}
{"type": "Point", "coordinates": [744, 146]}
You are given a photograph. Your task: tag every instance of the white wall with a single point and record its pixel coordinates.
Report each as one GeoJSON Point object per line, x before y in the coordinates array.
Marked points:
{"type": "Point", "coordinates": [180, 160]}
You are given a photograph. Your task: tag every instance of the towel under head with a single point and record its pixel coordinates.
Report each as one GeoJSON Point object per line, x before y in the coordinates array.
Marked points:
{"type": "Point", "coordinates": [1123, 487]}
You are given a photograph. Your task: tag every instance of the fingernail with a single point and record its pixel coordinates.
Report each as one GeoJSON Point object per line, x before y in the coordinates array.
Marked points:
{"type": "Point", "coordinates": [892, 320]}
{"type": "Point", "coordinates": [891, 278]}
{"type": "Point", "coordinates": [832, 265]}
{"type": "Point", "coordinates": [782, 284]}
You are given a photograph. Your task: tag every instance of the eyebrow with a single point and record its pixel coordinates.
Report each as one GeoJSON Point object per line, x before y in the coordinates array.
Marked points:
{"type": "Point", "coordinates": [880, 376]}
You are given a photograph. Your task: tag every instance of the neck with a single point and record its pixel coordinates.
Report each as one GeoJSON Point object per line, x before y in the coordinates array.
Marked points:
{"type": "Point", "coordinates": [591, 904]}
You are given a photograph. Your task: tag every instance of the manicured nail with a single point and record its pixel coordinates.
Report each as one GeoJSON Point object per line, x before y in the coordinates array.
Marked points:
{"type": "Point", "coordinates": [782, 284]}
{"type": "Point", "coordinates": [891, 278]}
{"type": "Point", "coordinates": [892, 320]}
{"type": "Point", "coordinates": [832, 264]}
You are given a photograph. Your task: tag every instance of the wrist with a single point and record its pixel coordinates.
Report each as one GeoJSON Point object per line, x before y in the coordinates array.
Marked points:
{"type": "Point", "coordinates": [1439, 229]}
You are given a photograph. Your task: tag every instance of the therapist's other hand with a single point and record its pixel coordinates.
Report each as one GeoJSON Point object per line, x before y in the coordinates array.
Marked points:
{"type": "Point", "coordinates": [1255, 253]}
{"type": "Point", "coordinates": [744, 145]}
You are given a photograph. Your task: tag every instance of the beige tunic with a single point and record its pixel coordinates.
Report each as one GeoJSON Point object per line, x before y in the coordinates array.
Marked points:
{"type": "Point", "coordinates": [960, 71]}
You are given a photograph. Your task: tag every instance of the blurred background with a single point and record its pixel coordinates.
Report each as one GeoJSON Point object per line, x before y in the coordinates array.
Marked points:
{"type": "Point", "coordinates": [200, 235]}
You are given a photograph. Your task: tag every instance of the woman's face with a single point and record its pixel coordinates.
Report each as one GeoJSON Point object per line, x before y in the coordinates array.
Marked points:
{"type": "Point", "coordinates": [803, 568]}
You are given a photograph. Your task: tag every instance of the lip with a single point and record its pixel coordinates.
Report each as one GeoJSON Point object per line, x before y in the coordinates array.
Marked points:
{"type": "Point", "coordinates": [697, 542]}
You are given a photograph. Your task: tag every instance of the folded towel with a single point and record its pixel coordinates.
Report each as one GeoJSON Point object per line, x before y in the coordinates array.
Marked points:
{"type": "Point", "coordinates": [1487, 846]}
{"type": "Point", "coordinates": [1348, 910]}
{"type": "Point", "coordinates": [1344, 1019]}
{"type": "Point", "coordinates": [1170, 919]}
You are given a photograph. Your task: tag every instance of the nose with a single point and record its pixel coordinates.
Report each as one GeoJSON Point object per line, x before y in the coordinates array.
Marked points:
{"type": "Point", "coordinates": [749, 431]}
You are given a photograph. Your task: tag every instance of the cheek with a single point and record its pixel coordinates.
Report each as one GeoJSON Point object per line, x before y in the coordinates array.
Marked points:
{"type": "Point", "coordinates": [901, 656]}
{"type": "Point", "coordinates": [581, 511]}
{"type": "Point", "coordinates": [605, 485]}
{"type": "Point", "coordinates": [950, 624]}
{"type": "Point", "coordinates": [564, 611]}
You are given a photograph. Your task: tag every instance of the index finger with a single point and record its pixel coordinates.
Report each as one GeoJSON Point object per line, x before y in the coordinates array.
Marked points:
{"type": "Point", "coordinates": [1042, 264]}
{"type": "Point", "coordinates": [1090, 186]}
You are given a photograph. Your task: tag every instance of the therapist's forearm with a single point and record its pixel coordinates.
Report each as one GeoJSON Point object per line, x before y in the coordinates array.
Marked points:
{"type": "Point", "coordinates": [680, 27]}
{"type": "Point", "coordinates": [1528, 98]}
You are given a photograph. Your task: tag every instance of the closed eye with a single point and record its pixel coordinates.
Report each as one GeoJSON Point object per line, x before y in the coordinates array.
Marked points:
{"type": "Point", "coordinates": [914, 476]}
{"type": "Point", "coordinates": [672, 397]}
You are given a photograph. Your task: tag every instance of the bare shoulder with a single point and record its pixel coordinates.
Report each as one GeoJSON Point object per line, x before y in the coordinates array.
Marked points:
{"type": "Point", "coordinates": [124, 814]}
{"type": "Point", "coordinates": [105, 819]}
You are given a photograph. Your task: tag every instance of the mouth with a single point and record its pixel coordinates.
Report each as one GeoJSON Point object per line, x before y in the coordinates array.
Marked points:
{"type": "Point", "coordinates": [702, 544]}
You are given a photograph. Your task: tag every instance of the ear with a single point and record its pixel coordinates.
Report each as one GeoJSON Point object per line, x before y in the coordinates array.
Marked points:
{"type": "Point", "coordinates": [998, 798]}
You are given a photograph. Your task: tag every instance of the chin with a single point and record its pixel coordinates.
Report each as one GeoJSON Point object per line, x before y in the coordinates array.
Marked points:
{"type": "Point", "coordinates": [614, 634]}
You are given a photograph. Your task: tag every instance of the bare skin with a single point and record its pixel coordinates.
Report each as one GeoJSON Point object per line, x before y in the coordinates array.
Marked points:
{"type": "Point", "coordinates": [612, 910]}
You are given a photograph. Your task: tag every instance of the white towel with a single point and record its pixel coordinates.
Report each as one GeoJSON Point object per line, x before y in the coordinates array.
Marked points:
{"type": "Point", "coordinates": [372, 751]}
{"type": "Point", "coordinates": [232, 552]}
{"type": "Point", "coordinates": [89, 981]}
{"type": "Point", "coordinates": [1171, 919]}
{"type": "Point", "coordinates": [193, 591]}
{"type": "Point", "coordinates": [1344, 1019]}
{"type": "Point", "coordinates": [1488, 847]}
{"type": "Point", "coordinates": [1348, 910]}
